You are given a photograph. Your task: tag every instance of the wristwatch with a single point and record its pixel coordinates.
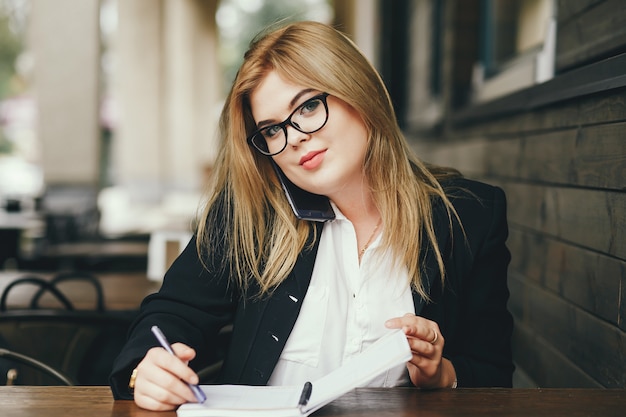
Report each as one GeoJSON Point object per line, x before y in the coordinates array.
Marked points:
{"type": "Point", "coordinates": [131, 382]}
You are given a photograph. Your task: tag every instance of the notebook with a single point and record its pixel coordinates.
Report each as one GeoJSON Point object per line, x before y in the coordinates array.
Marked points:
{"type": "Point", "coordinates": [296, 401]}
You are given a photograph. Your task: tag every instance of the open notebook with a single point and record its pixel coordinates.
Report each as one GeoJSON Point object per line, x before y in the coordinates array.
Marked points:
{"type": "Point", "coordinates": [295, 401]}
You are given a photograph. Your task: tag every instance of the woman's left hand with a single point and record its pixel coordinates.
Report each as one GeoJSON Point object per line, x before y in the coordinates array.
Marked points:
{"type": "Point", "coordinates": [427, 368]}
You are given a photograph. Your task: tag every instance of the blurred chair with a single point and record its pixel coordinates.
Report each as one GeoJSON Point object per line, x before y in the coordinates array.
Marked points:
{"type": "Point", "coordinates": [44, 286]}
{"type": "Point", "coordinates": [64, 277]}
{"type": "Point", "coordinates": [80, 344]}
{"type": "Point", "coordinates": [11, 376]}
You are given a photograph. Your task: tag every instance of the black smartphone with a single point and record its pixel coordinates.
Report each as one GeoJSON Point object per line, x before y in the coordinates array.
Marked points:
{"type": "Point", "coordinates": [305, 205]}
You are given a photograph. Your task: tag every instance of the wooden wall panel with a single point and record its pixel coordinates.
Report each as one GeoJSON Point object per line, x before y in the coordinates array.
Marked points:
{"type": "Point", "coordinates": [562, 164]}
{"type": "Point", "coordinates": [593, 157]}
{"type": "Point", "coordinates": [567, 216]}
{"type": "Point", "coordinates": [597, 109]}
{"type": "Point", "coordinates": [592, 219]}
{"type": "Point", "coordinates": [595, 346]}
{"type": "Point", "coordinates": [590, 280]}
{"type": "Point", "coordinates": [622, 309]}
{"type": "Point", "coordinates": [569, 8]}
{"type": "Point", "coordinates": [598, 32]}
{"type": "Point", "coordinates": [548, 367]}
{"type": "Point", "coordinates": [468, 157]}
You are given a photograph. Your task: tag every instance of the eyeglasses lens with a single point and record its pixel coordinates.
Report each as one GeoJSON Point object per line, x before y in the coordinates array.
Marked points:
{"type": "Point", "coordinates": [307, 118]}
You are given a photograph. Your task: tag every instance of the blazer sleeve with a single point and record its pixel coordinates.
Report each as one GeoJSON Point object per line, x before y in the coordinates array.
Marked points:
{"type": "Point", "coordinates": [191, 307]}
{"type": "Point", "coordinates": [471, 309]}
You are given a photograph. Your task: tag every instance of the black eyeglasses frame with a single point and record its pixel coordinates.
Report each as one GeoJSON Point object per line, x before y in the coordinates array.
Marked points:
{"type": "Point", "coordinates": [283, 125]}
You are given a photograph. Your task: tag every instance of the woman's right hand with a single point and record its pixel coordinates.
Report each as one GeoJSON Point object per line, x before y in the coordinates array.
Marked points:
{"type": "Point", "coordinates": [160, 379]}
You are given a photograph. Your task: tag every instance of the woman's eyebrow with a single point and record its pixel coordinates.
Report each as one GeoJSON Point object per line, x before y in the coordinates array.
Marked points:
{"type": "Point", "coordinates": [296, 98]}
{"type": "Point", "coordinates": [292, 104]}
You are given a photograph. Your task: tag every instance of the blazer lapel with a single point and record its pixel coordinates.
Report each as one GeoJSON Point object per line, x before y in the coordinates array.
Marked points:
{"type": "Point", "coordinates": [262, 326]}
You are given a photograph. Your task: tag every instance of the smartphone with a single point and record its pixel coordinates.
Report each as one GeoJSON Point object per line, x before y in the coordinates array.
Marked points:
{"type": "Point", "coordinates": [305, 205]}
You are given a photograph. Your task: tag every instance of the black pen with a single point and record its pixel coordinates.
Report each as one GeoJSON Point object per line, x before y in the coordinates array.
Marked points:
{"type": "Point", "coordinates": [306, 394]}
{"type": "Point", "coordinates": [166, 345]}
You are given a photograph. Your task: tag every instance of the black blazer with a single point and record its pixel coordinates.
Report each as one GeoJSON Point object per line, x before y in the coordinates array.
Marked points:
{"type": "Point", "coordinates": [470, 308]}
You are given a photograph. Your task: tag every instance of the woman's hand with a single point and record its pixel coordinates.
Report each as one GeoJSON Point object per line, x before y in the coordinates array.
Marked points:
{"type": "Point", "coordinates": [160, 381]}
{"type": "Point", "coordinates": [427, 368]}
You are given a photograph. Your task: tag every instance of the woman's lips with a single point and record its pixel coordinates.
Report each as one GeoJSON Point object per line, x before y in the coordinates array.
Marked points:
{"type": "Point", "coordinates": [312, 159]}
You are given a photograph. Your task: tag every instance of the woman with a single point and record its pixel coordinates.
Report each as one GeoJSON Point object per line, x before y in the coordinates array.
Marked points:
{"type": "Point", "coordinates": [412, 246]}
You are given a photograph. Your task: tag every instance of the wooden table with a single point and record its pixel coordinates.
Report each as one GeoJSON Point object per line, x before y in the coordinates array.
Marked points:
{"type": "Point", "coordinates": [93, 255]}
{"type": "Point", "coordinates": [122, 291]}
{"type": "Point", "coordinates": [97, 249]}
{"type": "Point", "coordinates": [372, 402]}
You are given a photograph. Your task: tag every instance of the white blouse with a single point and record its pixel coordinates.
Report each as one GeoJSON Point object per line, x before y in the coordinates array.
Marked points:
{"type": "Point", "coordinates": [345, 308]}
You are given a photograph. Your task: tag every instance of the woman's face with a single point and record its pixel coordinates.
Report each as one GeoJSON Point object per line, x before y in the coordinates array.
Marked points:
{"type": "Point", "coordinates": [328, 161]}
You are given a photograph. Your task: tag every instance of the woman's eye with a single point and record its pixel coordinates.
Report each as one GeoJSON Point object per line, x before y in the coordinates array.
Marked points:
{"type": "Point", "coordinates": [310, 106]}
{"type": "Point", "coordinates": [271, 131]}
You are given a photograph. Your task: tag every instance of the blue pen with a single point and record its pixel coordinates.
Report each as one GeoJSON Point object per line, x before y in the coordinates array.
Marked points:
{"type": "Point", "coordinates": [166, 345]}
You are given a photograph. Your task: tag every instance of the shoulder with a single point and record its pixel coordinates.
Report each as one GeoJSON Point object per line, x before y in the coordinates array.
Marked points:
{"type": "Point", "coordinates": [472, 198]}
{"type": "Point", "coordinates": [479, 212]}
{"type": "Point", "coordinates": [459, 189]}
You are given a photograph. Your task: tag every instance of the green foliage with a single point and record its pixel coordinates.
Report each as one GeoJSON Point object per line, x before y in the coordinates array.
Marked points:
{"type": "Point", "coordinates": [251, 23]}
{"type": "Point", "coordinates": [10, 48]}
{"type": "Point", "coordinates": [6, 146]}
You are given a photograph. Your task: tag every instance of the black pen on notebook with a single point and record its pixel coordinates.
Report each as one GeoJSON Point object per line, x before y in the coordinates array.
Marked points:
{"type": "Point", "coordinates": [166, 345]}
{"type": "Point", "coordinates": [306, 395]}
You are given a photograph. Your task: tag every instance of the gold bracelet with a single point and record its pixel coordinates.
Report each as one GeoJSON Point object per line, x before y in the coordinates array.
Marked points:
{"type": "Point", "coordinates": [131, 382]}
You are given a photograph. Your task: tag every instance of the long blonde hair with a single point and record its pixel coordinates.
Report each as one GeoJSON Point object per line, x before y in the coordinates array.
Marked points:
{"type": "Point", "coordinates": [262, 236]}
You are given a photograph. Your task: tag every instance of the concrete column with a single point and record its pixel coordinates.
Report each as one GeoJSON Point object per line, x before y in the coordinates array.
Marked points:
{"type": "Point", "coordinates": [64, 39]}
{"type": "Point", "coordinates": [359, 20]}
{"type": "Point", "coordinates": [168, 90]}
{"type": "Point", "coordinates": [423, 108]}
{"type": "Point", "coordinates": [138, 143]}
{"type": "Point", "coordinates": [191, 83]}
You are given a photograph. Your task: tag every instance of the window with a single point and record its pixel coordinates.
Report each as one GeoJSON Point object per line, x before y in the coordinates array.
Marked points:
{"type": "Point", "coordinates": [424, 105]}
{"type": "Point", "coordinates": [517, 46]}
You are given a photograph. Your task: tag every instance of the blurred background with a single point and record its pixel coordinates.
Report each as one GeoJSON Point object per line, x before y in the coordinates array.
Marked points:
{"type": "Point", "coordinates": [108, 112]}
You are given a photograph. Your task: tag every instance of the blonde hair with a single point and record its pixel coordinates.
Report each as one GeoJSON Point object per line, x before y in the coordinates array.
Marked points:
{"type": "Point", "coordinates": [262, 236]}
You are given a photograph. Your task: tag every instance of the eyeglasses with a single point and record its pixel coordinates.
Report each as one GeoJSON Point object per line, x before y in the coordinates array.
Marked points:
{"type": "Point", "coordinates": [309, 117]}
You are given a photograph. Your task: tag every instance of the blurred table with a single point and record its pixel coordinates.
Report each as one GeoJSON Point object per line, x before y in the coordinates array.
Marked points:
{"type": "Point", "coordinates": [12, 224]}
{"type": "Point", "coordinates": [122, 290]}
{"type": "Point", "coordinates": [19, 220]}
{"type": "Point", "coordinates": [103, 255]}
{"type": "Point", "coordinates": [373, 402]}
{"type": "Point", "coordinates": [98, 249]}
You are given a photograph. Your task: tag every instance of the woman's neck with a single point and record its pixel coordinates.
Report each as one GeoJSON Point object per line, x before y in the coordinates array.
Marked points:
{"type": "Point", "coordinates": [357, 205]}
{"type": "Point", "coordinates": [362, 212]}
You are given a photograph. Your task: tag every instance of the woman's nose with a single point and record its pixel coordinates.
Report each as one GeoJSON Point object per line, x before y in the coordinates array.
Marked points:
{"type": "Point", "coordinates": [295, 137]}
